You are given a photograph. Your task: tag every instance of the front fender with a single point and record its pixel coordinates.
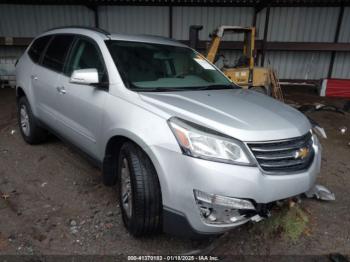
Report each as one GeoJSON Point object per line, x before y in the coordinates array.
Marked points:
{"type": "Point", "coordinates": [144, 144]}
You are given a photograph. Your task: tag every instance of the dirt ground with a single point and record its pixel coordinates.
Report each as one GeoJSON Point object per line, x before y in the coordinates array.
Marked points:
{"type": "Point", "coordinates": [53, 201]}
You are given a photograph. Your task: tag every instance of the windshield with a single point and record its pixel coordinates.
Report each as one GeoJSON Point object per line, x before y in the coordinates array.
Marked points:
{"type": "Point", "coordinates": [156, 67]}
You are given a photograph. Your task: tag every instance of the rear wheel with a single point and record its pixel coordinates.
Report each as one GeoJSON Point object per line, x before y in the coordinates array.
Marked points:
{"type": "Point", "coordinates": [139, 191]}
{"type": "Point", "coordinates": [31, 132]}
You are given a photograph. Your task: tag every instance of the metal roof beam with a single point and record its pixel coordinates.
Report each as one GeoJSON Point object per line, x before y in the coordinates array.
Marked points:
{"type": "Point", "coordinates": [249, 3]}
{"type": "Point", "coordinates": [228, 45]}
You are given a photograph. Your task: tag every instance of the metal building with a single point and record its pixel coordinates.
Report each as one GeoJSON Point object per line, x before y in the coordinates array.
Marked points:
{"type": "Point", "coordinates": [304, 40]}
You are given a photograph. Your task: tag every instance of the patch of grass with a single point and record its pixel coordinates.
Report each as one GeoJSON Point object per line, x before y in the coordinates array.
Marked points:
{"type": "Point", "coordinates": [295, 223]}
{"type": "Point", "coordinates": [287, 222]}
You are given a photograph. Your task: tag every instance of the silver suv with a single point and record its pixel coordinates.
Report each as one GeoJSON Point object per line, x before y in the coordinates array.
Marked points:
{"type": "Point", "coordinates": [190, 152]}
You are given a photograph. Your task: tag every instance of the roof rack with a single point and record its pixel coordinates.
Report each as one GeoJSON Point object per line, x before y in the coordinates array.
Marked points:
{"type": "Point", "coordinates": [98, 30]}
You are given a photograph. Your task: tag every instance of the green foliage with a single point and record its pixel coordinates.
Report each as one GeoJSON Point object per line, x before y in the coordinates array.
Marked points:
{"type": "Point", "coordinates": [287, 222]}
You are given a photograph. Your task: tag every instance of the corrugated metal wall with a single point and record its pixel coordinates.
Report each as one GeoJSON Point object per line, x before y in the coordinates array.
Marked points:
{"type": "Point", "coordinates": [210, 18]}
{"type": "Point", "coordinates": [30, 20]}
{"type": "Point", "coordinates": [341, 67]}
{"type": "Point", "coordinates": [303, 24]}
{"type": "Point", "coordinates": [299, 65]}
{"type": "Point", "coordinates": [260, 24]}
{"type": "Point", "coordinates": [135, 19]}
{"type": "Point", "coordinates": [344, 34]}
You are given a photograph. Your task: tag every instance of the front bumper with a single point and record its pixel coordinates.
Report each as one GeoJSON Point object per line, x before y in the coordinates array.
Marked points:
{"type": "Point", "coordinates": [179, 175]}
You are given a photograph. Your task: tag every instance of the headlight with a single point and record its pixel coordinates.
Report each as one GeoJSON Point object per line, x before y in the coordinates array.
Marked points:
{"type": "Point", "coordinates": [201, 142]}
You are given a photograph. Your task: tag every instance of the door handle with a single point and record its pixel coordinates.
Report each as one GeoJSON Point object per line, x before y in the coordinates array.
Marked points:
{"type": "Point", "coordinates": [34, 77]}
{"type": "Point", "coordinates": [61, 90]}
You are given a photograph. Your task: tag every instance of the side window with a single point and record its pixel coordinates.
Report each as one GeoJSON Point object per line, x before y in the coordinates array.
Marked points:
{"type": "Point", "coordinates": [57, 51]}
{"type": "Point", "coordinates": [86, 55]}
{"type": "Point", "coordinates": [38, 48]}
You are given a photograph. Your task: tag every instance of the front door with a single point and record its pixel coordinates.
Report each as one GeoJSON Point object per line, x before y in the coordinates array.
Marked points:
{"type": "Point", "coordinates": [81, 106]}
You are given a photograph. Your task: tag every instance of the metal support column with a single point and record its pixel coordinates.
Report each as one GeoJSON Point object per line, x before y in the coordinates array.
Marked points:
{"type": "Point", "coordinates": [266, 28]}
{"type": "Point", "coordinates": [170, 21]}
{"type": "Point", "coordinates": [336, 37]}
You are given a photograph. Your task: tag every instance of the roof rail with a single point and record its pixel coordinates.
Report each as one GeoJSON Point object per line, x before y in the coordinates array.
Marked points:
{"type": "Point", "coordinates": [99, 30]}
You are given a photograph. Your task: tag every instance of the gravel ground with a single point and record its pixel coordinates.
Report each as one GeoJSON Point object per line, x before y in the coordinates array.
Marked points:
{"type": "Point", "coordinates": [53, 201]}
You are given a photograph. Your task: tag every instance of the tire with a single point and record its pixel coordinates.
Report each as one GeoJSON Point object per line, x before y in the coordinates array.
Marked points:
{"type": "Point", "coordinates": [140, 187]}
{"type": "Point", "coordinates": [31, 132]}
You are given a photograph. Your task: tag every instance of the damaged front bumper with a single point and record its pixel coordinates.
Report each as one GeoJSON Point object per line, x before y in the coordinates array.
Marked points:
{"type": "Point", "coordinates": [231, 195]}
{"type": "Point", "coordinates": [221, 210]}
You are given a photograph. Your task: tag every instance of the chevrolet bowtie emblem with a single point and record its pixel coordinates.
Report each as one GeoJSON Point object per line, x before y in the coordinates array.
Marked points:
{"type": "Point", "coordinates": [302, 153]}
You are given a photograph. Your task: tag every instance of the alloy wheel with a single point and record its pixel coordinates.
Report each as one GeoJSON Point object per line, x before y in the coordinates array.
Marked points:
{"type": "Point", "coordinates": [126, 189]}
{"type": "Point", "coordinates": [24, 118]}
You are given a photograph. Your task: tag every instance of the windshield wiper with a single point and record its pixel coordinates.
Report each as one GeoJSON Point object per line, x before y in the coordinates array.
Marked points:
{"type": "Point", "coordinates": [194, 88]}
{"type": "Point", "coordinates": [218, 87]}
{"type": "Point", "coordinates": [158, 89]}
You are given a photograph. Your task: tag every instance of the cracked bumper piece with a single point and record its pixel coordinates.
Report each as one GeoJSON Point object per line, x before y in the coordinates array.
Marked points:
{"type": "Point", "coordinates": [320, 192]}
{"type": "Point", "coordinates": [216, 209]}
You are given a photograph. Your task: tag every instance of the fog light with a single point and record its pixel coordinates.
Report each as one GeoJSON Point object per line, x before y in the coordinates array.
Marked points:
{"type": "Point", "coordinates": [223, 201]}
{"type": "Point", "coordinates": [215, 209]}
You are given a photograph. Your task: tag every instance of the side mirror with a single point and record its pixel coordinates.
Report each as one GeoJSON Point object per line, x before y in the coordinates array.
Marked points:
{"type": "Point", "coordinates": [85, 76]}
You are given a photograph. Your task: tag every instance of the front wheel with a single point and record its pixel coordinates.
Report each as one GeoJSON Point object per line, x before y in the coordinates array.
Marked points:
{"type": "Point", "coordinates": [139, 191]}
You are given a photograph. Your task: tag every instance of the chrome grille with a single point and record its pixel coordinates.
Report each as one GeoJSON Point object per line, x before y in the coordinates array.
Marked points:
{"type": "Point", "coordinates": [286, 155]}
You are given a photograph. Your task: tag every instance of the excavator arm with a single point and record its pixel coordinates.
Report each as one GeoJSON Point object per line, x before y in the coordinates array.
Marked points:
{"type": "Point", "coordinates": [216, 38]}
{"type": "Point", "coordinates": [213, 48]}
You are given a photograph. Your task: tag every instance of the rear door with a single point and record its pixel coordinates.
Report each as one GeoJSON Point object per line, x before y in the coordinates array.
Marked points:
{"type": "Point", "coordinates": [36, 53]}
{"type": "Point", "coordinates": [46, 75]}
{"type": "Point", "coordinates": [82, 106]}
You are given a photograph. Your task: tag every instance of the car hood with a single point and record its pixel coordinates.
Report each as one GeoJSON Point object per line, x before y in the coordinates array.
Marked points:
{"type": "Point", "coordinates": [243, 114]}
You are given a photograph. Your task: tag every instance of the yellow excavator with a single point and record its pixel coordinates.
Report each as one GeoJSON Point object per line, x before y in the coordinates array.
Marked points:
{"type": "Point", "coordinates": [244, 73]}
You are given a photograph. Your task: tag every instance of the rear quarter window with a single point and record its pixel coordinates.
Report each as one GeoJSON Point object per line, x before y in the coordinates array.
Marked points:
{"type": "Point", "coordinates": [38, 47]}
{"type": "Point", "coordinates": [57, 51]}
